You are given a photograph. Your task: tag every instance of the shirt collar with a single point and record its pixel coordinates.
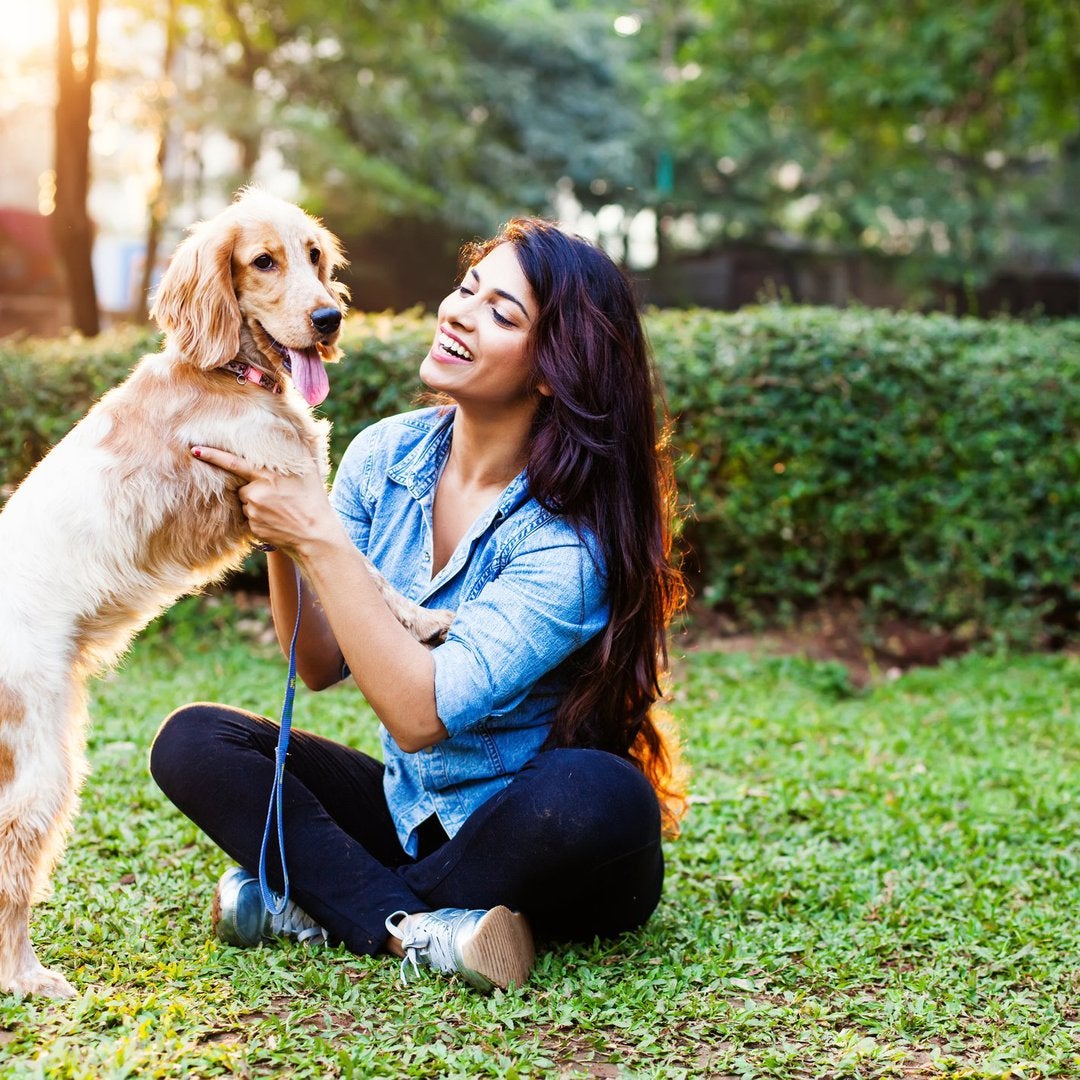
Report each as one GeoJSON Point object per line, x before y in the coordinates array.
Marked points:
{"type": "Point", "coordinates": [419, 470]}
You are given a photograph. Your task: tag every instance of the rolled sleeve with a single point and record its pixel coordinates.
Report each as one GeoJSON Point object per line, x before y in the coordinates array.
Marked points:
{"type": "Point", "coordinates": [544, 604]}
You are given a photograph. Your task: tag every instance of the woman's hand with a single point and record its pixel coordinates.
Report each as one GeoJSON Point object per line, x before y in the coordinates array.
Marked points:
{"type": "Point", "coordinates": [348, 618]}
{"type": "Point", "coordinates": [286, 511]}
{"type": "Point", "coordinates": [281, 511]}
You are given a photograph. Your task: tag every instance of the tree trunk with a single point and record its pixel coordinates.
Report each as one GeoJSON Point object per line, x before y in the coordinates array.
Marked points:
{"type": "Point", "coordinates": [72, 229]}
{"type": "Point", "coordinates": [244, 69]}
{"type": "Point", "coordinates": [159, 202]}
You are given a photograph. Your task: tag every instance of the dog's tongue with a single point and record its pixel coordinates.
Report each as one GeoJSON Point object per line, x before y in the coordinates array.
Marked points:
{"type": "Point", "coordinates": [309, 375]}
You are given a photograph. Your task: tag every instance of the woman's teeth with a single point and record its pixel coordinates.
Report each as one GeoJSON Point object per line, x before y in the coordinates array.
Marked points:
{"type": "Point", "coordinates": [448, 344]}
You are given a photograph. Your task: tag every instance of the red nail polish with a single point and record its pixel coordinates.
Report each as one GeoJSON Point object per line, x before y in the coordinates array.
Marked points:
{"type": "Point", "coordinates": [197, 451]}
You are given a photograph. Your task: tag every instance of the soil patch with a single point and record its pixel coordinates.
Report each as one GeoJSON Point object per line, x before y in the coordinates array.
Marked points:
{"type": "Point", "coordinates": [835, 632]}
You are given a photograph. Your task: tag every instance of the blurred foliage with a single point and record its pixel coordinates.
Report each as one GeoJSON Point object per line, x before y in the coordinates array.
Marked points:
{"type": "Point", "coordinates": [412, 125]}
{"type": "Point", "coordinates": [445, 111]}
{"type": "Point", "coordinates": [948, 135]}
{"type": "Point", "coordinates": [923, 465]}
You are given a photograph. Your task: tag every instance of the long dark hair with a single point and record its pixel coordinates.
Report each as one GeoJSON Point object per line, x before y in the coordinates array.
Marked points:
{"type": "Point", "coordinates": [599, 456]}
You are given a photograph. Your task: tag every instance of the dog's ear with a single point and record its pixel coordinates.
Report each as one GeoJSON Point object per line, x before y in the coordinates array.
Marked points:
{"type": "Point", "coordinates": [196, 303]}
{"type": "Point", "coordinates": [333, 258]}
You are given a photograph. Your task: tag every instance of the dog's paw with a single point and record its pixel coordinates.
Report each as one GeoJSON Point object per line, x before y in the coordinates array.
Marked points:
{"type": "Point", "coordinates": [39, 981]}
{"type": "Point", "coordinates": [430, 625]}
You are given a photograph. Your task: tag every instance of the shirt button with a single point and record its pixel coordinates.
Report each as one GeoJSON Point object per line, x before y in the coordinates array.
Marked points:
{"type": "Point", "coordinates": [429, 749]}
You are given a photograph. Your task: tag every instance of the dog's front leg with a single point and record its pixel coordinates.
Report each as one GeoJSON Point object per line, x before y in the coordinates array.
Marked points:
{"type": "Point", "coordinates": [427, 625]}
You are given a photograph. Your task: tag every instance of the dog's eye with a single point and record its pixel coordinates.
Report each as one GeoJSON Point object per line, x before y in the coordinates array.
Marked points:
{"type": "Point", "coordinates": [263, 262]}
{"type": "Point", "coordinates": [316, 254]}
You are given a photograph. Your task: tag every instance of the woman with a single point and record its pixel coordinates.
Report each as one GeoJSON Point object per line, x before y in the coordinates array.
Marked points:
{"type": "Point", "coordinates": [525, 778]}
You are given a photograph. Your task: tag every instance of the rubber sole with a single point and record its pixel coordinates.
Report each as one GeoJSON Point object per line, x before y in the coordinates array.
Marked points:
{"type": "Point", "coordinates": [500, 950]}
{"type": "Point", "coordinates": [223, 917]}
{"type": "Point", "coordinates": [215, 912]}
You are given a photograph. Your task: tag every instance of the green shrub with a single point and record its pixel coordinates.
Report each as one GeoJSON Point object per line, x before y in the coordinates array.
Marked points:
{"type": "Point", "coordinates": [923, 465]}
{"type": "Point", "coordinates": [46, 384]}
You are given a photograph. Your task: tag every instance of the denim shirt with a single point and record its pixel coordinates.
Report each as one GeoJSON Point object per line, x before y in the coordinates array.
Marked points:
{"type": "Point", "coordinates": [527, 591]}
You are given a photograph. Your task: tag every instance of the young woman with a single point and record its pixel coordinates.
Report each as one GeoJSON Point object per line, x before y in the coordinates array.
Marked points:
{"type": "Point", "coordinates": [524, 780]}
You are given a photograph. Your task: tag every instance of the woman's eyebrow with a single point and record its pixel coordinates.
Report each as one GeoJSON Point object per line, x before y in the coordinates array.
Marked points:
{"type": "Point", "coordinates": [504, 294]}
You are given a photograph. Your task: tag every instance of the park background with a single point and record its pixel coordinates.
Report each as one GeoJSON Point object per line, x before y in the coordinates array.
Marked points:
{"type": "Point", "coordinates": [897, 154]}
{"type": "Point", "coordinates": [856, 227]}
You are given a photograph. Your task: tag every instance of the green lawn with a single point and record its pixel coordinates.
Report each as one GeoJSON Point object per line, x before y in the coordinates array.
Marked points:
{"type": "Point", "coordinates": [882, 883]}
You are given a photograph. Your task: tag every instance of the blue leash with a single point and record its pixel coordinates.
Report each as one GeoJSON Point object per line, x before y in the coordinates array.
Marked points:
{"type": "Point", "coordinates": [279, 772]}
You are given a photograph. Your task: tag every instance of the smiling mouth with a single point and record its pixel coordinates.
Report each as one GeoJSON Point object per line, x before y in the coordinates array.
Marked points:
{"type": "Point", "coordinates": [454, 348]}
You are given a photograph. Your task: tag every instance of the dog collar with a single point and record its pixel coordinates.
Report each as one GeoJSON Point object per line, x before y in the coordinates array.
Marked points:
{"type": "Point", "coordinates": [249, 373]}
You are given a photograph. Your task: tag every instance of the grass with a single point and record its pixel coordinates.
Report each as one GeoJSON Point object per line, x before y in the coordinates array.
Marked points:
{"type": "Point", "coordinates": [870, 884]}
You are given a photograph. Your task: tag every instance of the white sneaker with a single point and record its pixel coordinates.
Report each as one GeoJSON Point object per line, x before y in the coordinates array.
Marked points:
{"type": "Point", "coordinates": [486, 948]}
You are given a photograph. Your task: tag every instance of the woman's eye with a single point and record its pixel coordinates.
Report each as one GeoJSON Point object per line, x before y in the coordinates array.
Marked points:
{"type": "Point", "coordinates": [462, 291]}
{"type": "Point", "coordinates": [500, 318]}
{"type": "Point", "coordinates": [315, 256]}
{"type": "Point", "coordinates": [263, 262]}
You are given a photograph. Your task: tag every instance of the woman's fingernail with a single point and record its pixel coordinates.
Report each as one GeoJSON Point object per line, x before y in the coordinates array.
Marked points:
{"type": "Point", "coordinates": [197, 451]}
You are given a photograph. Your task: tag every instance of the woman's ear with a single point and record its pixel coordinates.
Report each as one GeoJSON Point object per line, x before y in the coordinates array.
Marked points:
{"type": "Point", "coordinates": [196, 303]}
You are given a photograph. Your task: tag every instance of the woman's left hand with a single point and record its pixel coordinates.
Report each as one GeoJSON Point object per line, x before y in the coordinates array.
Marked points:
{"type": "Point", "coordinates": [281, 510]}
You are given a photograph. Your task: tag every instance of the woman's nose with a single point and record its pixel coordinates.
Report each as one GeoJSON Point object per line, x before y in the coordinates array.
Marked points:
{"type": "Point", "coordinates": [459, 309]}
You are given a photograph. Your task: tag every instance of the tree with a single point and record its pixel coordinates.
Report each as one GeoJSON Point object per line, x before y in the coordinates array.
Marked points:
{"type": "Point", "coordinates": [158, 204]}
{"type": "Point", "coordinates": [419, 123]}
{"type": "Point", "coordinates": [944, 134]}
{"type": "Point", "coordinates": [76, 68]}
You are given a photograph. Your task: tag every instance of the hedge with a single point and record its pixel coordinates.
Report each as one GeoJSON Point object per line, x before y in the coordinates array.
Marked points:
{"type": "Point", "coordinates": [924, 466]}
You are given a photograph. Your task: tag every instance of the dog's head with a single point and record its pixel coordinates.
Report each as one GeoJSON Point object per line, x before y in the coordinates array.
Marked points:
{"type": "Point", "coordinates": [265, 264]}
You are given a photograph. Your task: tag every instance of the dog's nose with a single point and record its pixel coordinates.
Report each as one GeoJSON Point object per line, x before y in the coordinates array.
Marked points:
{"type": "Point", "coordinates": [326, 319]}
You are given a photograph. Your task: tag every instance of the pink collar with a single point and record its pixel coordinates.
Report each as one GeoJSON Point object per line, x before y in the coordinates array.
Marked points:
{"type": "Point", "coordinates": [249, 373]}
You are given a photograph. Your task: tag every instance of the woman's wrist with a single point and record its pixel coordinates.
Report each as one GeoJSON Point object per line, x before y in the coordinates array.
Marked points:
{"type": "Point", "coordinates": [322, 545]}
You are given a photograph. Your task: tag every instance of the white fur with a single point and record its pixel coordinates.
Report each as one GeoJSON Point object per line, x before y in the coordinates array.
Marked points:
{"type": "Point", "coordinates": [118, 520]}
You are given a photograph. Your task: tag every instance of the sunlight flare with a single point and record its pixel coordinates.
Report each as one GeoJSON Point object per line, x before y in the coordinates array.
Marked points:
{"type": "Point", "coordinates": [28, 27]}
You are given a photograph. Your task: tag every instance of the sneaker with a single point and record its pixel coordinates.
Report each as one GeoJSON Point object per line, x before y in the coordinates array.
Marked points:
{"type": "Point", "coordinates": [240, 917]}
{"type": "Point", "coordinates": [486, 948]}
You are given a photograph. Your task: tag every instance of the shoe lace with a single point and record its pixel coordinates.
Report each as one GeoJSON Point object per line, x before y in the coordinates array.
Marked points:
{"type": "Point", "coordinates": [423, 940]}
{"type": "Point", "coordinates": [294, 923]}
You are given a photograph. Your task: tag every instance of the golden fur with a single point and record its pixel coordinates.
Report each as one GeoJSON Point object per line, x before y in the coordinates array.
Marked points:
{"type": "Point", "coordinates": [119, 520]}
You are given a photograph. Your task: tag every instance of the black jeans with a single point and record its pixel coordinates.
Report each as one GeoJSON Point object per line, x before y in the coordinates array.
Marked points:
{"type": "Point", "coordinates": [573, 841]}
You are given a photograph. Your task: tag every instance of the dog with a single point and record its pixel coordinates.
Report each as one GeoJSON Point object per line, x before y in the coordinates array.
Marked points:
{"type": "Point", "coordinates": [119, 520]}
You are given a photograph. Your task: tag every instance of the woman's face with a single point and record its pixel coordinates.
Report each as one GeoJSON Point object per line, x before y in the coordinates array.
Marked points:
{"type": "Point", "coordinates": [479, 355]}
